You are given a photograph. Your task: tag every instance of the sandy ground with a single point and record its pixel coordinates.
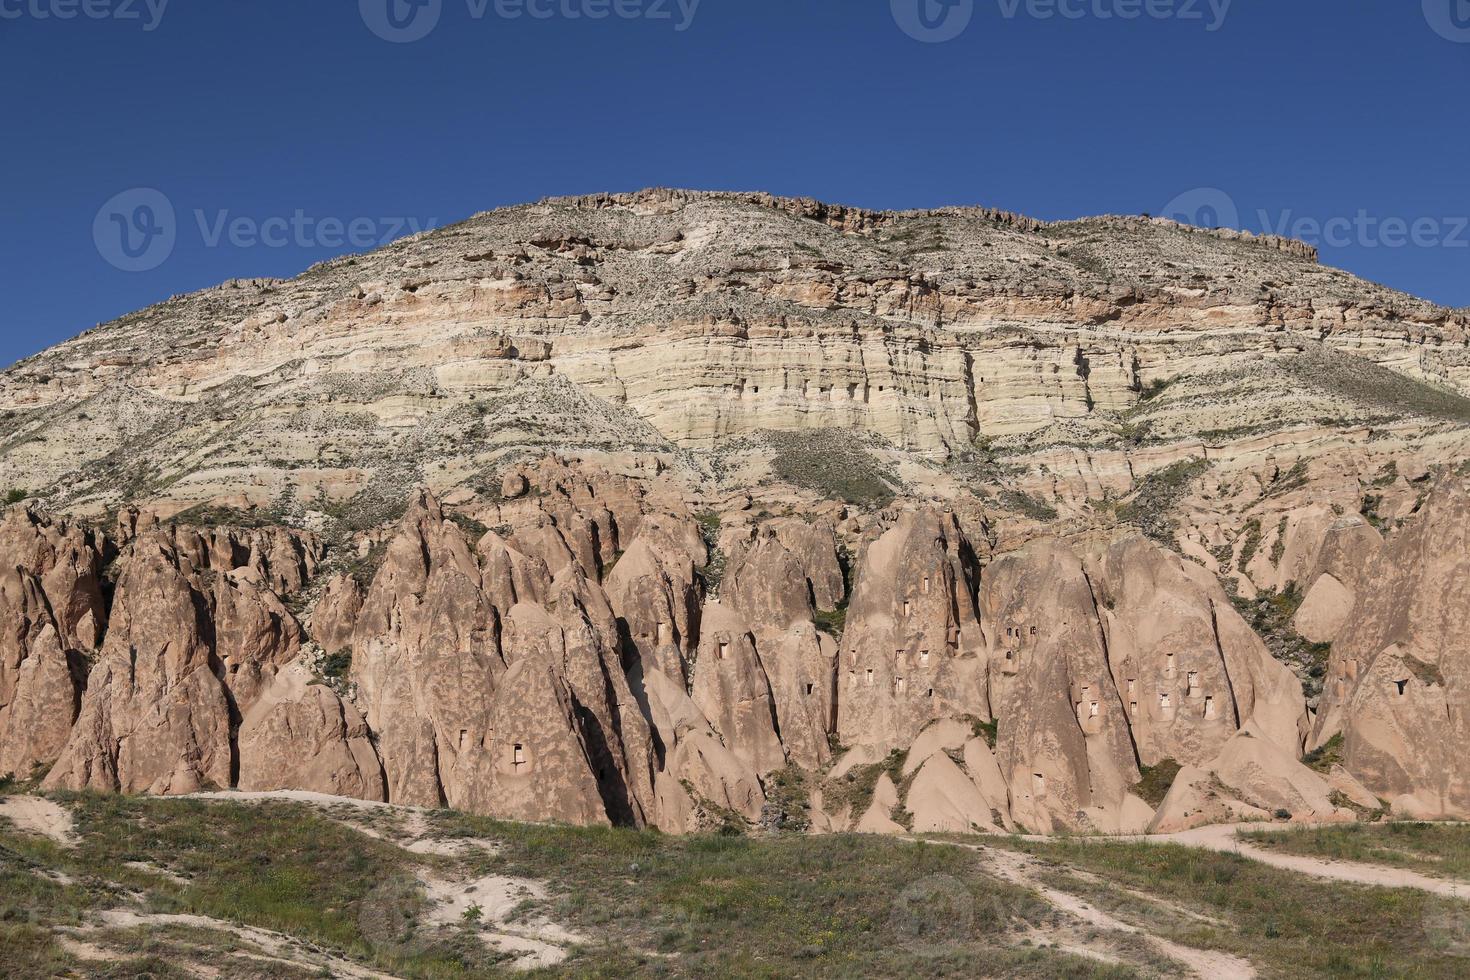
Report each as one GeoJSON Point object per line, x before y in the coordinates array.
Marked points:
{"type": "Point", "coordinates": [535, 940]}
{"type": "Point", "coordinates": [35, 815]}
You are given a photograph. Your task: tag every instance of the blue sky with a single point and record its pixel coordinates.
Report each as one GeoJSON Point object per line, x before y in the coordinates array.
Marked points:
{"type": "Point", "coordinates": [282, 132]}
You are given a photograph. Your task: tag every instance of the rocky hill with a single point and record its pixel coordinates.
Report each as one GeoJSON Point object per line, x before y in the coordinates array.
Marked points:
{"type": "Point", "coordinates": [689, 509]}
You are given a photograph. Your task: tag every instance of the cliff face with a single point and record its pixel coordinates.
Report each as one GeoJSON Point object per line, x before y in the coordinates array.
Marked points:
{"type": "Point", "coordinates": [643, 509]}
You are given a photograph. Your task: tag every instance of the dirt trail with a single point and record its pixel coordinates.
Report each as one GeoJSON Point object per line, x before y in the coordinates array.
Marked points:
{"type": "Point", "coordinates": [37, 815]}
{"type": "Point", "coordinates": [1223, 838]}
{"type": "Point", "coordinates": [1021, 869]}
{"type": "Point", "coordinates": [271, 945]}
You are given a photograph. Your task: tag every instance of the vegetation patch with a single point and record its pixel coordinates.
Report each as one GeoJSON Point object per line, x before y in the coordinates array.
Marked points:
{"type": "Point", "coordinates": [713, 572]}
{"type": "Point", "coordinates": [1252, 542]}
{"type": "Point", "coordinates": [1154, 785]}
{"type": "Point", "coordinates": [1325, 756]}
{"type": "Point", "coordinates": [1028, 505]}
{"type": "Point", "coordinates": [832, 622]}
{"type": "Point", "coordinates": [854, 789]}
{"type": "Point", "coordinates": [768, 906]}
{"type": "Point", "coordinates": [1367, 383]}
{"type": "Point", "coordinates": [834, 463]}
{"type": "Point", "coordinates": [1158, 494]}
{"type": "Point", "coordinates": [1270, 615]}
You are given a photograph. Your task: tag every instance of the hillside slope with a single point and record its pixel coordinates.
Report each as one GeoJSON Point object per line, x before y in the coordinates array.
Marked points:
{"type": "Point", "coordinates": [693, 509]}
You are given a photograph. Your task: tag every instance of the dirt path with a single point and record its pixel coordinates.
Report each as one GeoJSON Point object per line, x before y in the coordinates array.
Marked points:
{"type": "Point", "coordinates": [1223, 838]}
{"type": "Point", "coordinates": [1022, 869]}
{"type": "Point", "coordinates": [271, 945]}
{"type": "Point", "coordinates": [37, 815]}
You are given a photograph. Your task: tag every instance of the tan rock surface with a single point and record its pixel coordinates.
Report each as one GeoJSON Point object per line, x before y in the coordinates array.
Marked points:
{"type": "Point", "coordinates": [1398, 673]}
{"type": "Point", "coordinates": [604, 509]}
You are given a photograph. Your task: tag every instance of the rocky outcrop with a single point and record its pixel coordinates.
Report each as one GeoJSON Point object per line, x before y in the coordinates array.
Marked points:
{"type": "Point", "coordinates": [40, 680]}
{"type": "Point", "coordinates": [52, 617]}
{"type": "Point", "coordinates": [193, 638]}
{"type": "Point", "coordinates": [1397, 679]}
{"type": "Point", "coordinates": [941, 507]}
{"type": "Point", "coordinates": [911, 651]}
{"type": "Point", "coordinates": [1190, 670]}
{"type": "Point", "coordinates": [301, 735]}
{"type": "Point", "coordinates": [1063, 738]}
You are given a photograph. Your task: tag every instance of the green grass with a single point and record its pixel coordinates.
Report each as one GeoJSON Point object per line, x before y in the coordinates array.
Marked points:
{"type": "Point", "coordinates": [276, 866]}
{"type": "Point", "coordinates": [785, 905]}
{"type": "Point", "coordinates": [654, 905]}
{"type": "Point", "coordinates": [1288, 925]}
{"type": "Point", "coordinates": [789, 906]}
{"type": "Point", "coordinates": [1437, 849]}
{"type": "Point", "coordinates": [832, 623]}
{"type": "Point", "coordinates": [1154, 785]}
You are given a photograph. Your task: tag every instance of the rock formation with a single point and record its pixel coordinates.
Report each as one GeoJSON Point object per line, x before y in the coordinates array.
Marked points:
{"type": "Point", "coordinates": [646, 509]}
